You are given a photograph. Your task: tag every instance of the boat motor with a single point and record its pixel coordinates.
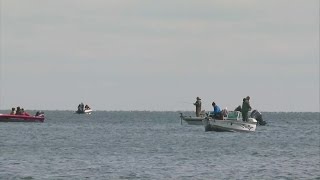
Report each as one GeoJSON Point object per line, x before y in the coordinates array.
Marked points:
{"type": "Point", "coordinates": [39, 113]}
{"type": "Point", "coordinates": [257, 115]}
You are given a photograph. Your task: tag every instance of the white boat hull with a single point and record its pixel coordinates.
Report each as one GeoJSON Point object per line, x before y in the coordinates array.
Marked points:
{"type": "Point", "coordinates": [230, 125]}
{"type": "Point", "coordinates": [87, 111]}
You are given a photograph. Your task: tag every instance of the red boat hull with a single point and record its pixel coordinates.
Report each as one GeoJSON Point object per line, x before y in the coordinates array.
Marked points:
{"type": "Point", "coordinates": [20, 118]}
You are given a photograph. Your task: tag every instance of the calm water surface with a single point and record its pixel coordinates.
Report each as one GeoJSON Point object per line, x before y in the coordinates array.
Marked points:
{"type": "Point", "coordinates": [154, 145]}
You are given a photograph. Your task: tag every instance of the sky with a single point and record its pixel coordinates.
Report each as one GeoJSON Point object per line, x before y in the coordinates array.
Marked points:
{"type": "Point", "coordinates": [159, 55]}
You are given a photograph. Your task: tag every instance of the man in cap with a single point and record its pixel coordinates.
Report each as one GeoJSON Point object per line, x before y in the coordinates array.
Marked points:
{"type": "Point", "coordinates": [198, 106]}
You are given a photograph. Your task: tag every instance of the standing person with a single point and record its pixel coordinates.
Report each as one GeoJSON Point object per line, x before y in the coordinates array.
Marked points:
{"type": "Point", "coordinates": [82, 107]}
{"type": "Point", "coordinates": [217, 113]}
{"type": "Point", "coordinates": [245, 108]}
{"type": "Point", "coordinates": [198, 106]}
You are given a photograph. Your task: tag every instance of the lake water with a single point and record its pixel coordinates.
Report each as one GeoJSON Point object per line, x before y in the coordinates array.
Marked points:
{"type": "Point", "coordinates": [154, 145]}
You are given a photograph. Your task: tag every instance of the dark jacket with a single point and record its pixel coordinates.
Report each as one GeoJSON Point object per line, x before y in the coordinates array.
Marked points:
{"type": "Point", "coordinates": [246, 106]}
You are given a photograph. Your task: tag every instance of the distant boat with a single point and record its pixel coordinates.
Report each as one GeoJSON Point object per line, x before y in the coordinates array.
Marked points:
{"type": "Point", "coordinates": [83, 109]}
{"type": "Point", "coordinates": [193, 120]}
{"type": "Point", "coordinates": [22, 118]}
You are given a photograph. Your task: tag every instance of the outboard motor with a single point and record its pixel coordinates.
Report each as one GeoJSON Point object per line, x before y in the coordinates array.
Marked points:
{"type": "Point", "coordinates": [257, 115]}
{"type": "Point", "coordinates": [39, 113]}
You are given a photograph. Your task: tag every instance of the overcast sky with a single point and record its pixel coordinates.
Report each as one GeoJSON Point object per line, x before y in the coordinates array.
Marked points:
{"type": "Point", "coordinates": [159, 55]}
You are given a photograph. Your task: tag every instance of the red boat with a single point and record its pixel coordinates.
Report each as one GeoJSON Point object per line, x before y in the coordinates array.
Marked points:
{"type": "Point", "coordinates": [21, 118]}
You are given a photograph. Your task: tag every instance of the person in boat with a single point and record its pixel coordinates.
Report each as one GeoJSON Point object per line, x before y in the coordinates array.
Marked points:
{"type": "Point", "coordinates": [198, 106]}
{"type": "Point", "coordinates": [86, 107]}
{"type": "Point", "coordinates": [224, 112]}
{"type": "Point", "coordinates": [24, 113]}
{"type": "Point", "coordinates": [82, 107]}
{"type": "Point", "coordinates": [245, 108]}
{"type": "Point", "coordinates": [217, 113]}
{"type": "Point", "coordinates": [79, 108]}
{"type": "Point", "coordinates": [13, 111]}
{"type": "Point", "coordinates": [18, 112]}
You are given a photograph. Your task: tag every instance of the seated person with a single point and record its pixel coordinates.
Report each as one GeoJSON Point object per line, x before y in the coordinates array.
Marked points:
{"type": "Point", "coordinates": [224, 112]}
{"type": "Point", "coordinates": [86, 107]}
{"type": "Point", "coordinates": [18, 112]}
{"type": "Point", "coordinates": [13, 111]}
{"type": "Point", "coordinates": [24, 113]}
{"type": "Point", "coordinates": [217, 113]}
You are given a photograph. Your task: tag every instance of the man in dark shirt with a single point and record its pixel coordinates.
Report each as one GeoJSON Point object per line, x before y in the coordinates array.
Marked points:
{"type": "Point", "coordinates": [245, 108]}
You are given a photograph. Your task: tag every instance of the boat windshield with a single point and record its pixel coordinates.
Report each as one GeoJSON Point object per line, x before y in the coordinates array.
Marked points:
{"type": "Point", "coordinates": [233, 115]}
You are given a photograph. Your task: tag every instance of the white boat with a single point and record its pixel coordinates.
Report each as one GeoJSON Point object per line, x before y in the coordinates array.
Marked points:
{"type": "Point", "coordinates": [231, 122]}
{"type": "Point", "coordinates": [83, 109]}
{"type": "Point", "coordinates": [193, 120]}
